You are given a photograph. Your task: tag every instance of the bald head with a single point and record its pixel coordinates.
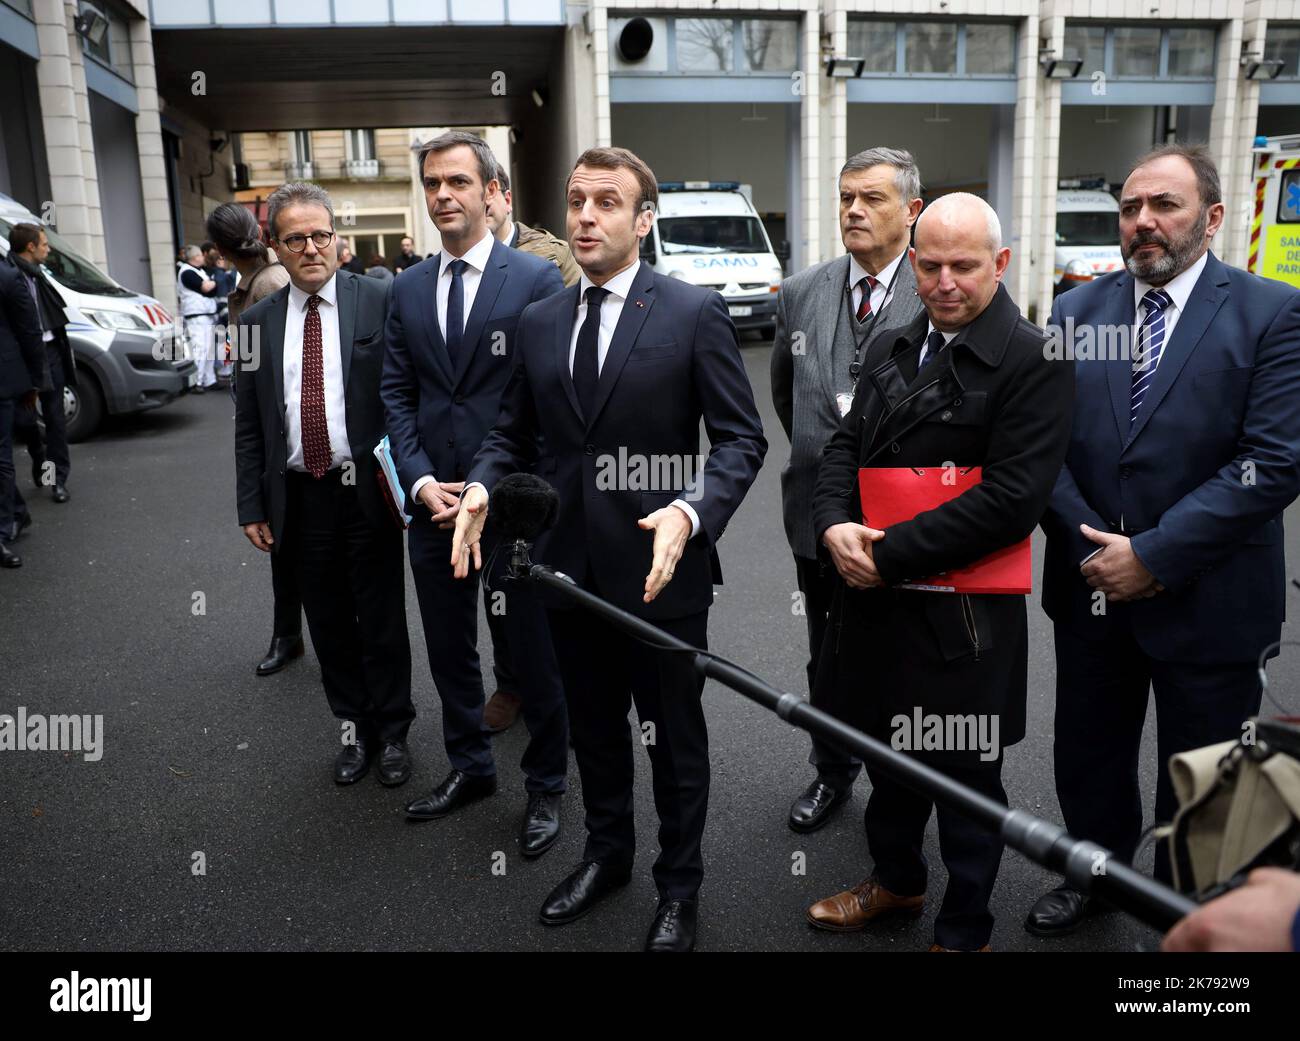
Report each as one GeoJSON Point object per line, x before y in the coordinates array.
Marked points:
{"type": "Point", "coordinates": [963, 214]}
{"type": "Point", "coordinates": [958, 258]}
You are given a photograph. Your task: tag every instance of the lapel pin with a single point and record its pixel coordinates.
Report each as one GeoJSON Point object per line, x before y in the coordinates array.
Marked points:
{"type": "Point", "coordinates": [640, 303]}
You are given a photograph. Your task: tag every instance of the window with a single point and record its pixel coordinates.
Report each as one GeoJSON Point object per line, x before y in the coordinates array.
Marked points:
{"type": "Point", "coordinates": [1087, 42]}
{"type": "Point", "coordinates": [361, 144]}
{"type": "Point", "coordinates": [301, 146]}
{"type": "Point", "coordinates": [706, 44]}
{"type": "Point", "coordinates": [877, 43]}
{"type": "Point", "coordinates": [768, 45]}
{"type": "Point", "coordinates": [1087, 228]}
{"type": "Point", "coordinates": [711, 235]}
{"type": "Point", "coordinates": [1288, 200]}
{"type": "Point", "coordinates": [1283, 42]}
{"type": "Point", "coordinates": [1137, 51]}
{"type": "Point", "coordinates": [990, 50]}
{"type": "Point", "coordinates": [1191, 52]}
{"type": "Point", "coordinates": [931, 47]}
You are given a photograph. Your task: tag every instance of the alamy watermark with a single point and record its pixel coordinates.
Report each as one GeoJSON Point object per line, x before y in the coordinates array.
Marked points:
{"type": "Point", "coordinates": [35, 732]}
{"type": "Point", "coordinates": [932, 732]}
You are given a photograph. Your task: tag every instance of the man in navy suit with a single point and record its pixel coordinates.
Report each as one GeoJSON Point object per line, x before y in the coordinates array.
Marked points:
{"type": "Point", "coordinates": [611, 380]}
{"type": "Point", "coordinates": [450, 337]}
{"type": "Point", "coordinates": [1164, 564]}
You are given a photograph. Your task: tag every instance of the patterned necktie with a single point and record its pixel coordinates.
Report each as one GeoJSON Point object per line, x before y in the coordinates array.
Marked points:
{"type": "Point", "coordinates": [455, 310]}
{"type": "Point", "coordinates": [866, 283]}
{"type": "Point", "coordinates": [316, 453]}
{"type": "Point", "coordinates": [586, 370]}
{"type": "Point", "coordinates": [1150, 342]}
{"type": "Point", "coordinates": [933, 345]}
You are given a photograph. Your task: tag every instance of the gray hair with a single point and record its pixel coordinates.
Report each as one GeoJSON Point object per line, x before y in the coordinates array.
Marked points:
{"type": "Point", "coordinates": [908, 177]}
{"type": "Point", "coordinates": [962, 200]}
{"type": "Point", "coordinates": [296, 193]}
{"type": "Point", "coordinates": [503, 178]}
{"type": "Point", "coordinates": [190, 250]}
{"type": "Point", "coordinates": [487, 162]}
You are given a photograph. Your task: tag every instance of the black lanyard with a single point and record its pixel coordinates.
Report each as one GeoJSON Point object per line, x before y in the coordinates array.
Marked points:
{"type": "Point", "coordinates": [855, 369]}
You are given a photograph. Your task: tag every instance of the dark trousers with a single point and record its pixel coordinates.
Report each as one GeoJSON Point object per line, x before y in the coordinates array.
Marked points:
{"type": "Point", "coordinates": [449, 612]}
{"type": "Point", "coordinates": [1101, 704]}
{"type": "Point", "coordinates": [350, 574]}
{"type": "Point", "coordinates": [284, 587]}
{"type": "Point", "coordinates": [835, 767]}
{"type": "Point", "coordinates": [896, 818]}
{"type": "Point", "coordinates": [605, 672]}
{"type": "Point", "coordinates": [13, 508]}
{"type": "Point", "coordinates": [54, 446]}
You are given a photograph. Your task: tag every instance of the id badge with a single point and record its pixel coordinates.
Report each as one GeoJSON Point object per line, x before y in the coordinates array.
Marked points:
{"type": "Point", "coordinates": [845, 402]}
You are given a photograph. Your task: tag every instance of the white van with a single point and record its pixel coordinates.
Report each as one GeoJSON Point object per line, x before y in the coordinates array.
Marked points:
{"type": "Point", "coordinates": [1275, 218]}
{"type": "Point", "coordinates": [708, 233]}
{"type": "Point", "coordinates": [1087, 235]}
{"type": "Point", "coordinates": [122, 341]}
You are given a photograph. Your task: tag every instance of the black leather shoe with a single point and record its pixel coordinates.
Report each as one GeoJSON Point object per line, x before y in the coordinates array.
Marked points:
{"type": "Point", "coordinates": [541, 826]}
{"type": "Point", "coordinates": [8, 558]}
{"type": "Point", "coordinates": [61, 493]}
{"type": "Point", "coordinates": [283, 650]}
{"type": "Point", "coordinates": [353, 762]}
{"type": "Point", "coordinates": [394, 764]}
{"type": "Point", "coordinates": [1060, 912]}
{"type": "Point", "coordinates": [582, 890]}
{"type": "Point", "coordinates": [458, 789]}
{"type": "Point", "coordinates": [814, 807]}
{"type": "Point", "coordinates": [20, 525]}
{"type": "Point", "coordinates": [673, 929]}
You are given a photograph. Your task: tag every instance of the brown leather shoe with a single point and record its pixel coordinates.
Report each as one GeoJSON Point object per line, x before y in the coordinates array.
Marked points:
{"type": "Point", "coordinates": [500, 712]}
{"type": "Point", "coordinates": [986, 949]}
{"type": "Point", "coordinates": [855, 908]}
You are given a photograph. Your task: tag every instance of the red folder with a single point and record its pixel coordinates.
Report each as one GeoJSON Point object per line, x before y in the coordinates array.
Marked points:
{"type": "Point", "coordinates": [893, 494]}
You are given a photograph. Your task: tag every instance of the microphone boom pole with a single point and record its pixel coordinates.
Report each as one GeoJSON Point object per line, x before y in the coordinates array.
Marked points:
{"type": "Point", "coordinates": [1087, 866]}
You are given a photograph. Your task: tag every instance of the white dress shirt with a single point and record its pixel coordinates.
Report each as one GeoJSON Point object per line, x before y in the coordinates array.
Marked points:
{"type": "Point", "coordinates": [335, 403]}
{"type": "Point", "coordinates": [882, 292]}
{"type": "Point", "coordinates": [1179, 289]}
{"type": "Point", "coordinates": [925, 344]}
{"type": "Point", "coordinates": [477, 259]}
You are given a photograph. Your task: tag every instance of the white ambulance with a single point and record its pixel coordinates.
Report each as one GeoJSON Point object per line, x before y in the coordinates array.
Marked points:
{"type": "Point", "coordinates": [708, 233]}
{"type": "Point", "coordinates": [1087, 234]}
{"type": "Point", "coordinates": [1275, 217]}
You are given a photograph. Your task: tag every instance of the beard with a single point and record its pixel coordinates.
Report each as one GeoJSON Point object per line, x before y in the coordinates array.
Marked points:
{"type": "Point", "coordinates": [1177, 256]}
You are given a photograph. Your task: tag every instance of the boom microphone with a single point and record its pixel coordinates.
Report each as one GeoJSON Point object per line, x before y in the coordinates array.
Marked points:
{"type": "Point", "coordinates": [523, 506]}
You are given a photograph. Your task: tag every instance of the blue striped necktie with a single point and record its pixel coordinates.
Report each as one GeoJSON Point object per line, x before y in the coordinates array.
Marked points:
{"type": "Point", "coordinates": [1150, 342]}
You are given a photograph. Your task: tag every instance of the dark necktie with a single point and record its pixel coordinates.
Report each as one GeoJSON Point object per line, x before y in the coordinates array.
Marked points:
{"type": "Point", "coordinates": [586, 370]}
{"type": "Point", "coordinates": [866, 283]}
{"type": "Point", "coordinates": [1150, 342]}
{"type": "Point", "coordinates": [315, 430]}
{"type": "Point", "coordinates": [933, 345]}
{"type": "Point", "coordinates": [455, 310]}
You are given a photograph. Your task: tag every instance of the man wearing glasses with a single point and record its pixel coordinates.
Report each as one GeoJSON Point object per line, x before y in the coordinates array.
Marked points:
{"type": "Point", "coordinates": [307, 418]}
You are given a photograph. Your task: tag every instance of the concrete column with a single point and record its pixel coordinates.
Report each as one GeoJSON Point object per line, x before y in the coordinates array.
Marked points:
{"type": "Point", "coordinates": [599, 16]}
{"type": "Point", "coordinates": [815, 240]}
{"type": "Point", "coordinates": [1232, 133]}
{"type": "Point", "coordinates": [89, 169]}
{"type": "Point", "coordinates": [1021, 125]}
{"type": "Point", "coordinates": [75, 213]}
{"type": "Point", "coordinates": [153, 170]}
{"type": "Point", "coordinates": [1045, 129]}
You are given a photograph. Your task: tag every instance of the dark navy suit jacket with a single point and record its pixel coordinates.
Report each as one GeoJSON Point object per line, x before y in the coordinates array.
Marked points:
{"type": "Point", "coordinates": [437, 416]}
{"type": "Point", "coordinates": [673, 360]}
{"type": "Point", "coordinates": [1200, 480]}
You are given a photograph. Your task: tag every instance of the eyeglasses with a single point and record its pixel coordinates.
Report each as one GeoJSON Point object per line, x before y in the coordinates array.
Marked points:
{"type": "Point", "coordinates": [298, 243]}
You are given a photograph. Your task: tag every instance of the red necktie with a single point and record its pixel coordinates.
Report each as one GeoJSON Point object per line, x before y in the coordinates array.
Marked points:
{"type": "Point", "coordinates": [315, 430]}
{"type": "Point", "coordinates": [867, 284]}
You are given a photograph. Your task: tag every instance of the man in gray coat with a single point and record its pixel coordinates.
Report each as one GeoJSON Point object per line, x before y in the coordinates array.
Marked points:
{"type": "Point", "coordinates": [827, 319]}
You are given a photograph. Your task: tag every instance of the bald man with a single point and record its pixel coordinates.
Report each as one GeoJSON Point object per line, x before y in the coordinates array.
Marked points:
{"type": "Point", "coordinates": [938, 675]}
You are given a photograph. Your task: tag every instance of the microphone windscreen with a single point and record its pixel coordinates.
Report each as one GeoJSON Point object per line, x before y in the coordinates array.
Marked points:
{"type": "Point", "coordinates": [523, 506]}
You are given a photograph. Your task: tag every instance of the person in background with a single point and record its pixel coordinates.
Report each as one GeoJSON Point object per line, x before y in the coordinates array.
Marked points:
{"type": "Point", "coordinates": [349, 261]}
{"type": "Point", "coordinates": [196, 296]}
{"type": "Point", "coordinates": [239, 239]}
{"type": "Point", "coordinates": [29, 247]}
{"type": "Point", "coordinates": [22, 365]}
{"type": "Point", "coordinates": [408, 258]}
{"type": "Point", "coordinates": [537, 241]}
{"type": "Point", "coordinates": [379, 269]}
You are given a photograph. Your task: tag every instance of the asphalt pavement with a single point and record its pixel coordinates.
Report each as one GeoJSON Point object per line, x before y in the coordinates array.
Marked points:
{"type": "Point", "coordinates": [207, 766]}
